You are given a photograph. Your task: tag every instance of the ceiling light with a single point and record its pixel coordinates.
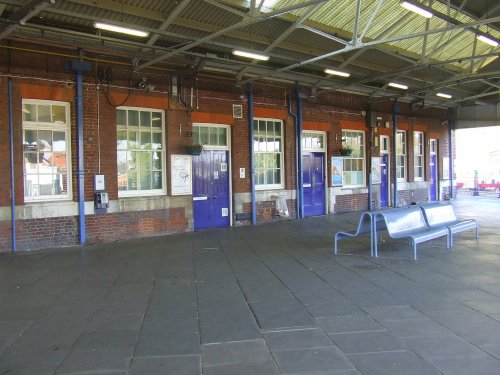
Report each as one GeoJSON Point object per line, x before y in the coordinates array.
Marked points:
{"type": "Point", "coordinates": [250, 55]}
{"type": "Point", "coordinates": [488, 40]}
{"type": "Point", "coordinates": [120, 29]}
{"type": "Point", "coordinates": [398, 85]}
{"type": "Point", "coordinates": [443, 95]}
{"type": "Point", "coordinates": [416, 8]}
{"type": "Point", "coordinates": [337, 73]}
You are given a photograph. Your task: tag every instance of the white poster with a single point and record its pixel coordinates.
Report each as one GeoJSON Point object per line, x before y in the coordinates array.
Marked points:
{"type": "Point", "coordinates": [446, 168]}
{"type": "Point", "coordinates": [376, 171]}
{"type": "Point", "coordinates": [181, 176]}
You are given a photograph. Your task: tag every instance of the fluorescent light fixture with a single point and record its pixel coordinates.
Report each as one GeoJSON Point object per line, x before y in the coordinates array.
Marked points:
{"type": "Point", "coordinates": [398, 85]}
{"type": "Point", "coordinates": [337, 73]}
{"type": "Point", "coordinates": [415, 8]}
{"type": "Point", "coordinates": [120, 29]}
{"type": "Point", "coordinates": [443, 95]}
{"type": "Point", "coordinates": [486, 39]}
{"type": "Point", "coordinates": [250, 55]}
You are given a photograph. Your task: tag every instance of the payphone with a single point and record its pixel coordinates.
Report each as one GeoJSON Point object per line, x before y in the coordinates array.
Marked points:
{"type": "Point", "coordinates": [101, 200]}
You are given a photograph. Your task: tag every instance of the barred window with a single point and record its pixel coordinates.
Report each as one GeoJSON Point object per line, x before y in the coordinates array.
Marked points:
{"type": "Point", "coordinates": [354, 164]}
{"type": "Point", "coordinates": [418, 155]}
{"type": "Point", "coordinates": [268, 153]}
{"type": "Point", "coordinates": [401, 155]}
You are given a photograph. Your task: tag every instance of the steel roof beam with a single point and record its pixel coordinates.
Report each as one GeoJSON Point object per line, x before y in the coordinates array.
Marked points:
{"type": "Point", "coordinates": [22, 15]}
{"type": "Point", "coordinates": [247, 21]}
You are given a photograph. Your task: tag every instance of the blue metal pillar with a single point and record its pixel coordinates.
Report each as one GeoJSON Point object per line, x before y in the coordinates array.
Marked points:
{"type": "Point", "coordinates": [80, 67]}
{"type": "Point", "coordinates": [451, 127]}
{"type": "Point", "coordinates": [12, 182]}
{"type": "Point", "coordinates": [395, 112]}
{"type": "Point", "coordinates": [252, 164]}
{"type": "Point", "coordinates": [298, 142]}
{"type": "Point", "coordinates": [297, 182]}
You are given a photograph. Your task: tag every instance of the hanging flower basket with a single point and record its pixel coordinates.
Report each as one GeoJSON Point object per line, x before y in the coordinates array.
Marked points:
{"type": "Point", "coordinates": [346, 151]}
{"type": "Point", "coordinates": [195, 149]}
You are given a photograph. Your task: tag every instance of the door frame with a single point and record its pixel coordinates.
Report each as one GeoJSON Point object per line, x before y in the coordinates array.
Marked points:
{"type": "Point", "coordinates": [229, 160]}
{"type": "Point", "coordinates": [388, 153]}
{"type": "Point", "coordinates": [323, 150]}
{"type": "Point", "coordinates": [433, 151]}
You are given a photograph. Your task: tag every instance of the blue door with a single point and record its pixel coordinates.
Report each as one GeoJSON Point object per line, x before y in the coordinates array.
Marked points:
{"type": "Point", "coordinates": [211, 189]}
{"type": "Point", "coordinates": [313, 175]}
{"type": "Point", "coordinates": [434, 177]}
{"type": "Point", "coordinates": [384, 180]}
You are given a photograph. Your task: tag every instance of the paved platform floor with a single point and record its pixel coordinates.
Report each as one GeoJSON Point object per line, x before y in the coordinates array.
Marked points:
{"type": "Point", "coordinates": [269, 299]}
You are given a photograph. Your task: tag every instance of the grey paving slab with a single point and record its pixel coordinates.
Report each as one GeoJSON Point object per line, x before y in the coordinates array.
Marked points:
{"type": "Point", "coordinates": [244, 368]}
{"type": "Point", "coordinates": [178, 365]}
{"type": "Point", "coordinates": [92, 361]}
{"type": "Point", "coordinates": [281, 314]}
{"type": "Point", "coordinates": [485, 365]}
{"type": "Point", "coordinates": [441, 347]}
{"type": "Point", "coordinates": [298, 361]}
{"type": "Point", "coordinates": [10, 331]}
{"type": "Point", "coordinates": [392, 363]}
{"type": "Point", "coordinates": [349, 323]}
{"type": "Point", "coordinates": [321, 309]}
{"type": "Point", "coordinates": [235, 352]}
{"type": "Point", "coordinates": [366, 342]}
{"type": "Point", "coordinates": [297, 339]}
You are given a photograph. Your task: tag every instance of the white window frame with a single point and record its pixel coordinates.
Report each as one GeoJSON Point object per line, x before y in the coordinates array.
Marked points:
{"type": "Point", "coordinates": [313, 141]}
{"type": "Point", "coordinates": [401, 138]}
{"type": "Point", "coordinates": [418, 156]}
{"type": "Point", "coordinates": [50, 126]}
{"type": "Point", "coordinates": [433, 146]}
{"type": "Point", "coordinates": [358, 153]}
{"type": "Point", "coordinates": [163, 152]}
{"type": "Point", "coordinates": [256, 150]}
{"type": "Point", "coordinates": [212, 127]}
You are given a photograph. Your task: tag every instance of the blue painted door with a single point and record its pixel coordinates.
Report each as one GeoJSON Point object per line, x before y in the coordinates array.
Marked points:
{"type": "Point", "coordinates": [211, 189]}
{"type": "Point", "coordinates": [434, 177]}
{"type": "Point", "coordinates": [313, 183]}
{"type": "Point", "coordinates": [384, 180]}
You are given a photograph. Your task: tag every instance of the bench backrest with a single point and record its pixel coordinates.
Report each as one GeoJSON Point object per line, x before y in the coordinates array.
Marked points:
{"type": "Point", "coordinates": [365, 223]}
{"type": "Point", "coordinates": [402, 220]}
{"type": "Point", "coordinates": [439, 214]}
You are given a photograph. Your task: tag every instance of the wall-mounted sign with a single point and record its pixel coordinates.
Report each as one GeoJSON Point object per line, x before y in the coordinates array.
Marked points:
{"type": "Point", "coordinates": [376, 171]}
{"type": "Point", "coordinates": [446, 168]}
{"type": "Point", "coordinates": [337, 170]}
{"type": "Point", "coordinates": [181, 176]}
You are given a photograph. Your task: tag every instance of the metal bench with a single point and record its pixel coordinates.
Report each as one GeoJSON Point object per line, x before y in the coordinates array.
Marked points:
{"type": "Point", "coordinates": [439, 215]}
{"type": "Point", "coordinates": [365, 225]}
{"type": "Point", "coordinates": [407, 223]}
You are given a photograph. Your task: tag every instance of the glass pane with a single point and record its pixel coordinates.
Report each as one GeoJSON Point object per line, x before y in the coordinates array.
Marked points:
{"type": "Point", "coordinates": [44, 113]}
{"type": "Point", "coordinates": [203, 135]}
{"type": "Point", "coordinates": [29, 112]}
{"type": "Point", "coordinates": [132, 141]}
{"type": "Point", "coordinates": [262, 144]}
{"type": "Point", "coordinates": [347, 178]}
{"type": "Point", "coordinates": [196, 134]}
{"type": "Point", "coordinates": [156, 183]}
{"type": "Point", "coordinates": [277, 177]}
{"type": "Point", "coordinates": [262, 127]}
{"type": "Point", "coordinates": [259, 177]}
{"type": "Point", "coordinates": [222, 137]}
{"type": "Point", "coordinates": [132, 160]}
{"type": "Point", "coordinates": [277, 145]}
{"type": "Point", "coordinates": [121, 158]}
{"type": "Point", "coordinates": [31, 185]}
{"type": "Point", "coordinates": [59, 114]}
{"type": "Point", "coordinates": [277, 128]}
{"type": "Point", "coordinates": [132, 181]}
{"type": "Point", "coordinates": [269, 176]}
{"type": "Point", "coordinates": [157, 141]}
{"type": "Point", "coordinates": [30, 140]}
{"type": "Point", "coordinates": [122, 182]}
{"type": "Point", "coordinates": [133, 118]}
{"type": "Point", "coordinates": [59, 141]}
{"type": "Point", "coordinates": [277, 158]}
{"type": "Point", "coordinates": [213, 136]}
{"type": "Point", "coordinates": [45, 140]}
{"type": "Point", "coordinates": [145, 141]}
{"type": "Point", "coordinates": [156, 119]}
{"type": "Point", "coordinates": [121, 140]}
{"type": "Point", "coordinates": [121, 117]}
{"type": "Point", "coordinates": [145, 180]}
{"type": "Point", "coordinates": [156, 160]}
{"type": "Point", "coordinates": [144, 161]}
{"type": "Point", "coordinates": [145, 119]}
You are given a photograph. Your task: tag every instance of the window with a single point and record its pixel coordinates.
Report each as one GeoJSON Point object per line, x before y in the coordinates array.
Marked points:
{"type": "Point", "coordinates": [354, 165]}
{"type": "Point", "coordinates": [418, 155]}
{"type": "Point", "coordinates": [433, 146]}
{"type": "Point", "coordinates": [140, 151]}
{"type": "Point", "coordinates": [401, 155]}
{"type": "Point", "coordinates": [46, 150]}
{"type": "Point", "coordinates": [211, 136]}
{"type": "Point", "coordinates": [268, 153]}
{"type": "Point", "coordinates": [313, 141]}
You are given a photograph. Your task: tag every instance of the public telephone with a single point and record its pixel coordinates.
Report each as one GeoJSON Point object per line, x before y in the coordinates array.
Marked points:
{"type": "Point", "coordinates": [101, 199]}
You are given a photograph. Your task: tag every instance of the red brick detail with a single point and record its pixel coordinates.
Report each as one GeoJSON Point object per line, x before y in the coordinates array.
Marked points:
{"type": "Point", "coordinates": [270, 113]}
{"type": "Point", "coordinates": [351, 203]}
{"type": "Point", "coordinates": [315, 125]}
{"type": "Point", "coordinates": [44, 92]}
{"type": "Point", "coordinates": [212, 118]}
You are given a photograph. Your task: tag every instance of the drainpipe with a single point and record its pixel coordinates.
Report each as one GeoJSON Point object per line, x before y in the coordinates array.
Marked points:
{"type": "Point", "coordinates": [80, 67]}
{"type": "Point", "coordinates": [252, 165]}
{"type": "Point", "coordinates": [298, 142]}
{"type": "Point", "coordinates": [395, 111]}
{"type": "Point", "coordinates": [12, 183]}
{"type": "Point", "coordinates": [297, 182]}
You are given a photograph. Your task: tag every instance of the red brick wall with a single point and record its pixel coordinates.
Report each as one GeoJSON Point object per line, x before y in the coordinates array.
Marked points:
{"type": "Point", "coordinates": [352, 202]}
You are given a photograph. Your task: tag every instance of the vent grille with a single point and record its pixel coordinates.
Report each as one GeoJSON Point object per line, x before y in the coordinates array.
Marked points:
{"type": "Point", "coordinates": [237, 111]}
